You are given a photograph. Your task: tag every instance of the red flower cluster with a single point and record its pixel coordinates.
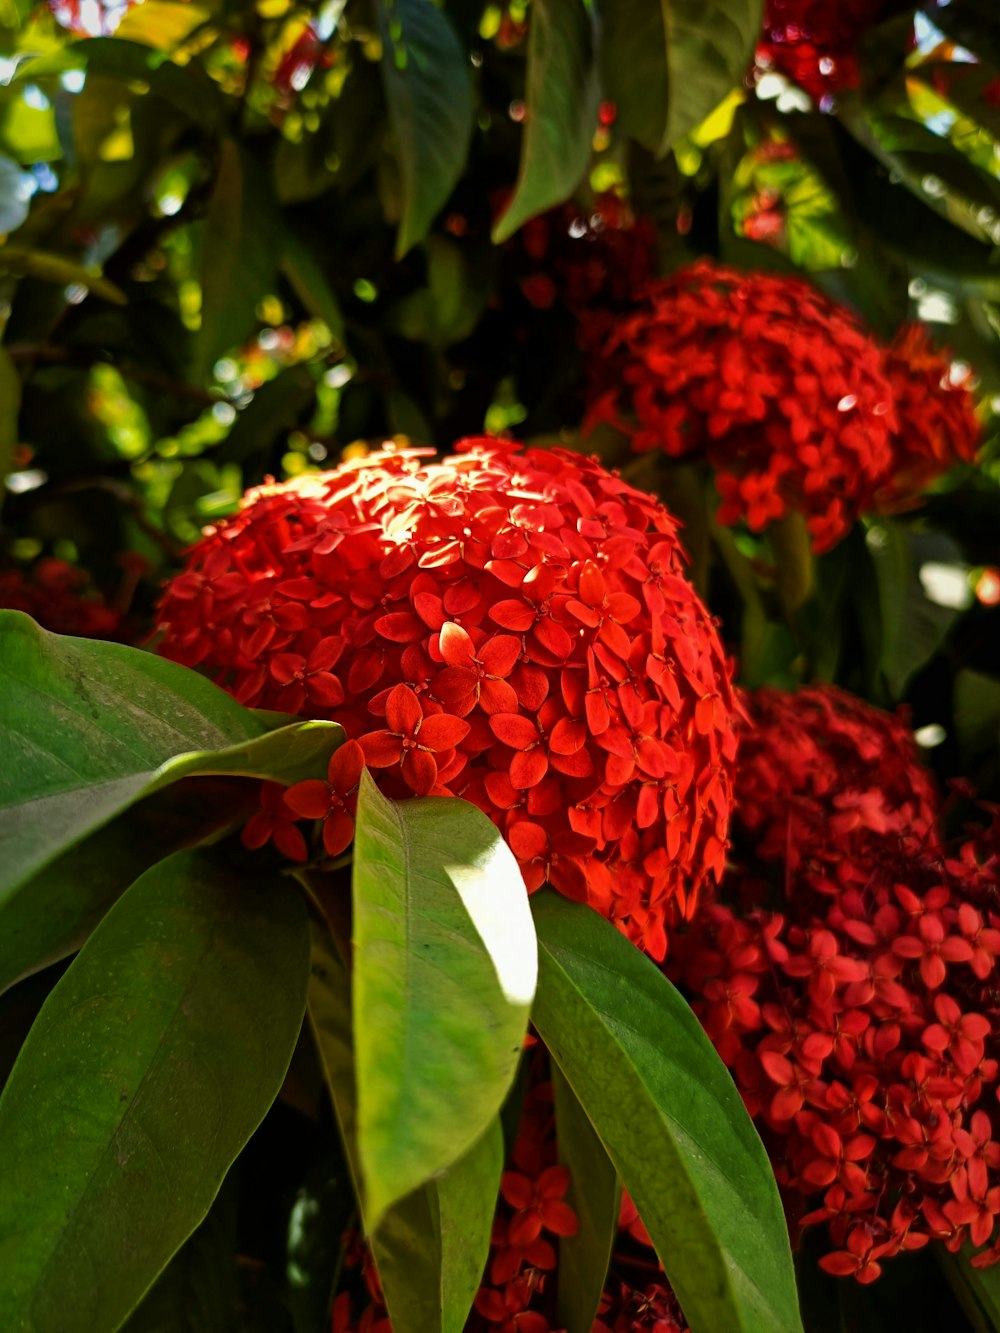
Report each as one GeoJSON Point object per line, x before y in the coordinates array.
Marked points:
{"type": "Point", "coordinates": [794, 405]}
{"type": "Point", "coordinates": [590, 260]}
{"type": "Point", "coordinates": [813, 42]}
{"type": "Point", "coordinates": [62, 598]}
{"type": "Point", "coordinates": [508, 626]}
{"type": "Point", "coordinates": [937, 415]}
{"type": "Point", "coordinates": [858, 1019]}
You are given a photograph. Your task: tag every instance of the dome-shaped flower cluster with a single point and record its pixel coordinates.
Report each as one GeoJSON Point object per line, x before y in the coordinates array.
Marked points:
{"type": "Point", "coordinates": [814, 42]}
{"type": "Point", "coordinates": [793, 404]}
{"type": "Point", "coordinates": [852, 992]}
{"type": "Point", "coordinates": [936, 412]}
{"type": "Point", "coordinates": [62, 598]}
{"type": "Point", "coordinates": [508, 626]}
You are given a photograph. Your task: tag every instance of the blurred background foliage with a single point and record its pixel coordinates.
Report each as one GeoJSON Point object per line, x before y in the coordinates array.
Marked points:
{"type": "Point", "coordinates": [243, 239]}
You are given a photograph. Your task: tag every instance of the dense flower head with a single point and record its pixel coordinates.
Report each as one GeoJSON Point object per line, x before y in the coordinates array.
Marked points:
{"type": "Point", "coordinates": [852, 990]}
{"type": "Point", "coordinates": [936, 412]}
{"type": "Point", "coordinates": [813, 42]}
{"type": "Point", "coordinates": [510, 626]}
{"type": "Point", "coordinates": [792, 402]}
{"type": "Point", "coordinates": [62, 598]}
{"type": "Point", "coordinates": [779, 387]}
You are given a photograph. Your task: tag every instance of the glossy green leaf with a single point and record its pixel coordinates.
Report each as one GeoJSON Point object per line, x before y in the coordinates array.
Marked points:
{"type": "Point", "coordinates": [431, 1246]}
{"type": "Point", "coordinates": [667, 64]}
{"type": "Point", "coordinates": [50, 915]}
{"type": "Point", "coordinates": [594, 1194]}
{"type": "Point", "coordinates": [88, 728]}
{"type": "Point", "coordinates": [197, 1292]}
{"type": "Point", "coordinates": [561, 98]}
{"type": "Point", "coordinates": [10, 404]}
{"type": "Point", "coordinates": [150, 1065]}
{"type": "Point", "coordinates": [671, 1120]}
{"type": "Point", "coordinates": [425, 74]}
{"type": "Point", "coordinates": [444, 973]}
{"type": "Point", "coordinates": [239, 255]}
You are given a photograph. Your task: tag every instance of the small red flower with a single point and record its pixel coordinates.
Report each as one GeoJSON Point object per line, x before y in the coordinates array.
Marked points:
{"type": "Point", "coordinates": [333, 801]}
{"type": "Point", "coordinates": [412, 740]}
{"type": "Point", "coordinates": [274, 822]}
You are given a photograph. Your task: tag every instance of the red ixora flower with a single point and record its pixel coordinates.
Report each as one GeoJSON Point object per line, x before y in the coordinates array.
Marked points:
{"type": "Point", "coordinates": [848, 976]}
{"type": "Point", "coordinates": [813, 42]}
{"type": "Point", "coordinates": [62, 598]}
{"type": "Point", "coordinates": [792, 403]}
{"type": "Point", "coordinates": [510, 626]}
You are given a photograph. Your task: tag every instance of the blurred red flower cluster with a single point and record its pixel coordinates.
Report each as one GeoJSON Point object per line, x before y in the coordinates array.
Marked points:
{"type": "Point", "coordinates": [814, 42]}
{"type": "Point", "coordinates": [508, 626]}
{"type": "Point", "coordinates": [62, 598]}
{"type": "Point", "coordinates": [852, 990]}
{"type": "Point", "coordinates": [792, 402]}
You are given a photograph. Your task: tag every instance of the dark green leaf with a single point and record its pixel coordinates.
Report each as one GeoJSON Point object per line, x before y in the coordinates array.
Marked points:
{"type": "Point", "coordinates": [276, 408]}
{"type": "Point", "coordinates": [976, 710]}
{"type": "Point", "coordinates": [671, 1120]}
{"type": "Point", "coordinates": [913, 627]}
{"type": "Point", "coordinates": [594, 1194]}
{"type": "Point", "coordinates": [52, 914]}
{"type": "Point", "coordinates": [88, 728]}
{"type": "Point", "coordinates": [794, 573]}
{"type": "Point", "coordinates": [451, 305]}
{"type": "Point", "coordinates": [239, 258]}
{"type": "Point", "coordinates": [561, 98]}
{"type": "Point", "coordinates": [197, 1292]}
{"type": "Point", "coordinates": [310, 284]}
{"type": "Point", "coordinates": [431, 1247]}
{"type": "Point", "coordinates": [668, 63]}
{"type": "Point", "coordinates": [150, 1065]}
{"type": "Point", "coordinates": [444, 974]}
{"type": "Point", "coordinates": [427, 86]}
{"type": "Point", "coordinates": [977, 1289]}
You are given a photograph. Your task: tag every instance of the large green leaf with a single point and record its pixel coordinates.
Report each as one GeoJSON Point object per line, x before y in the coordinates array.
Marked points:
{"type": "Point", "coordinates": [88, 728]}
{"type": "Point", "coordinates": [50, 915]}
{"type": "Point", "coordinates": [667, 63]}
{"type": "Point", "coordinates": [150, 1065]}
{"type": "Point", "coordinates": [671, 1120]}
{"type": "Point", "coordinates": [595, 1195]}
{"type": "Point", "coordinates": [431, 1247]}
{"type": "Point", "coordinates": [239, 255]}
{"type": "Point", "coordinates": [445, 965]}
{"type": "Point", "coordinates": [197, 1292]}
{"type": "Point", "coordinates": [561, 97]}
{"type": "Point", "coordinates": [425, 73]}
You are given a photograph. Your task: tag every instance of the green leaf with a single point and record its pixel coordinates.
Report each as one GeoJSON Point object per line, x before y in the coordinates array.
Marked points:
{"type": "Point", "coordinates": [671, 1120]}
{"type": "Point", "coordinates": [431, 1247]}
{"type": "Point", "coordinates": [976, 712]}
{"type": "Point", "coordinates": [795, 574]}
{"type": "Point", "coordinates": [10, 406]}
{"type": "Point", "coordinates": [668, 63]}
{"type": "Point", "coordinates": [913, 627]}
{"type": "Point", "coordinates": [425, 74]}
{"type": "Point", "coordinates": [451, 305]}
{"type": "Point", "coordinates": [323, 1210]}
{"type": "Point", "coordinates": [59, 270]}
{"type": "Point", "coordinates": [52, 914]}
{"type": "Point", "coordinates": [308, 281]}
{"type": "Point", "coordinates": [88, 728]}
{"type": "Point", "coordinates": [445, 965]}
{"type": "Point", "coordinates": [977, 1289]}
{"type": "Point", "coordinates": [197, 1292]}
{"type": "Point", "coordinates": [561, 97]}
{"type": "Point", "coordinates": [239, 256]}
{"type": "Point", "coordinates": [594, 1194]}
{"type": "Point", "coordinates": [150, 1065]}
